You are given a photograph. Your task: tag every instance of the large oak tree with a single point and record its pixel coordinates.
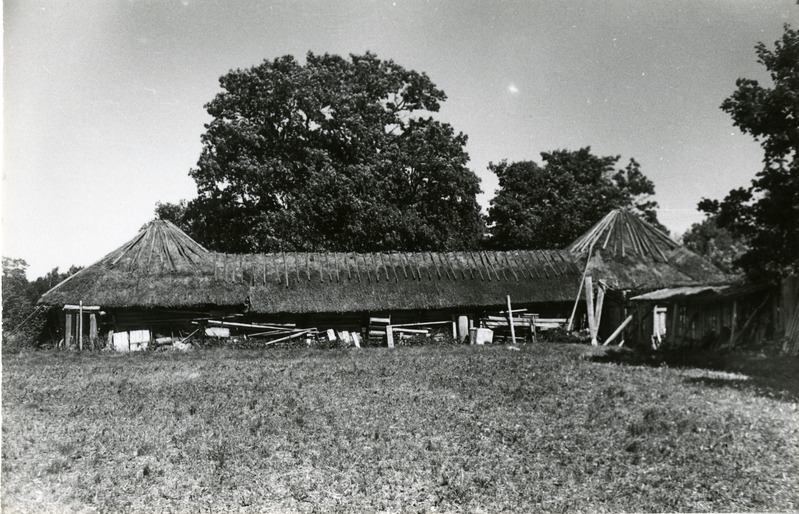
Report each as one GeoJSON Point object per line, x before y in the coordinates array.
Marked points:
{"type": "Point", "coordinates": [333, 154]}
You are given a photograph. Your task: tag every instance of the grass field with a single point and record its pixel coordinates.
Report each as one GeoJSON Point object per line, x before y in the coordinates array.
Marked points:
{"type": "Point", "coordinates": [440, 428]}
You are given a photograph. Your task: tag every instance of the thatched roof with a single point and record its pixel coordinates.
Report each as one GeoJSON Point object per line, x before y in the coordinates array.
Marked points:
{"type": "Point", "coordinates": [342, 282]}
{"type": "Point", "coordinates": [163, 267]}
{"type": "Point", "coordinates": [629, 253]}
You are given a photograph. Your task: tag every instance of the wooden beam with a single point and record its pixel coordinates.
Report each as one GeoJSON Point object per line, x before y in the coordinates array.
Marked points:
{"type": "Point", "coordinates": [78, 307]}
{"type": "Point", "coordinates": [80, 327]}
{"type": "Point", "coordinates": [68, 330]}
{"type": "Point", "coordinates": [423, 323]}
{"type": "Point", "coordinates": [390, 336]}
{"type": "Point", "coordinates": [510, 322]}
{"type": "Point", "coordinates": [600, 300]}
{"type": "Point", "coordinates": [673, 312]}
{"type": "Point", "coordinates": [734, 320]}
{"type": "Point", "coordinates": [618, 330]}
{"type": "Point", "coordinates": [250, 325]}
{"type": "Point", "coordinates": [589, 303]}
{"type": "Point", "coordinates": [292, 336]}
{"type": "Point", "coordinates": [462, 328]}
{"type": "Point", "coordinates": [93, 330]}
{"type": "Point", "coordinates": [410, 330]}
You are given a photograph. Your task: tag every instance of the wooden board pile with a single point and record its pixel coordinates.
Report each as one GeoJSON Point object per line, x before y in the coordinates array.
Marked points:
{"type": "Point", "coordinates": [268, 334]}
{"type": "Point", "coordinates": [382, 331]}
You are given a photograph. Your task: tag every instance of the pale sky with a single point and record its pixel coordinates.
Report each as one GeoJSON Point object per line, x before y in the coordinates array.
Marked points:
{"type": "Point", "coordinates": [103, 100]}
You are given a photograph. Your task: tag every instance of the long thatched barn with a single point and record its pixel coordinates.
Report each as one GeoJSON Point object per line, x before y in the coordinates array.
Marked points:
{"type": "Point", "coordinates": [161, 280]}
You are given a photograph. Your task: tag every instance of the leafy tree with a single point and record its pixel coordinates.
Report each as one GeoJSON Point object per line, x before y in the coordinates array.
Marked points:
{"type": "Point", "coordinates": [17, 299]}
{"type": "Point", "coordinates": [334, 154]}
{"type": "Point", "coordinates": [714, 243]}
{"type": "Point", "coordinates": [765, 215]}
{"type": "Point", "coordinates": [551, 205]}
{"type": "Point", "coordinates": [174, 212]}
{"type": "Point", "coordinates": [43, 284]}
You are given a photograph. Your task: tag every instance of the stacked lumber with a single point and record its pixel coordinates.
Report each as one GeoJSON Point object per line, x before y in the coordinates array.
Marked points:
{"type": "Point", "coordinates": [272, 333]}
{"type": "Point", "coordinates": [519, 324]}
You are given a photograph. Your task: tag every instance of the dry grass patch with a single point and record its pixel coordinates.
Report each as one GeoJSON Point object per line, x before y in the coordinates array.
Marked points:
{"type": "Point", "coordinates": [414, 429]}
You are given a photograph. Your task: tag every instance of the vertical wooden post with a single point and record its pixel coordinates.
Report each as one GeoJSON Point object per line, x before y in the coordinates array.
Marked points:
{"type": "Point", "coordinates": [390, 336]}
{"type": "Point", "coordinates": [454, 327]}
{"type": "Point", "coordinates": [510, 322]}
{"type": "Point", "coordinates": [93, 330]}
{"type": "Point", "coordinates": [80, 326]}
{"type": "Point", "coordinates": [67, 330]}
{"type": "Point", "coordinates": [734, 321]}
{"type": "Point", "coordinates": [589, 305]}
{"type": "Point", "coordinates": [673, 311]}
{"type": "Point", "coordinates": [600, 300]}
{"type": "Point", "coordinates": [463, 328]}
{"type": "Point", "coordinates": [532, 327]}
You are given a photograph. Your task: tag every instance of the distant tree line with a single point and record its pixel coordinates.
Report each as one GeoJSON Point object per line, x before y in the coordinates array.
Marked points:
{"type": "Point", "coordinates": [20, 295]}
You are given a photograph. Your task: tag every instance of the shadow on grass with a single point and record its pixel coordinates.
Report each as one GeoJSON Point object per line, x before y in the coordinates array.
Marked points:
{"type": "Point", "coordinates": [773, 375]}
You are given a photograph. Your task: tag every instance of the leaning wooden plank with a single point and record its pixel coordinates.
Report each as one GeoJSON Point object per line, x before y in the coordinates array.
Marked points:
{"type": "Point", "coordinates": [510, 320]}
{"type": "Point", "coordinates": [618, 330]}
{"type": "Point", "coordinates": [421, 324]}
{"type": "Point", "coordinates": [292, 336]}
{"type": "Point", "coordinates": [271, 333]}
{"type": "Point", "coordinates": [589, 303]}
{"type": "Point", "coordinates": [600, 300]}
{"type": "Point", "coordinates": [250, 325]}
{"type": "Point", "coordinates": [410, 330]}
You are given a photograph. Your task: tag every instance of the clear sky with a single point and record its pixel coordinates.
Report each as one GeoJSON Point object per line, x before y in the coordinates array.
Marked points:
{"type": "Point", "coordinates": [103, 99]}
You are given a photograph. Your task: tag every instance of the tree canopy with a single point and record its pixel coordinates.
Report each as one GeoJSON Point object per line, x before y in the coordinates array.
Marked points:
{"type": "Point", "coordinates": [333, 154]}
{"type": "Point", "coordinates": [551, 205]}
{"type": "Point", "coordinates": [765, 215]}
{"type": "Point", "coordinates": [714, 243]}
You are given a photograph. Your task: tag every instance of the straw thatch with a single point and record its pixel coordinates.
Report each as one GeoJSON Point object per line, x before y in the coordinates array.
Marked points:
{"type": "Point", "coordinates": [629, 253]}
{"type": "Point", "coordinates": [347, 282]}
{"type": "Point", "coordinates": [164, 268]}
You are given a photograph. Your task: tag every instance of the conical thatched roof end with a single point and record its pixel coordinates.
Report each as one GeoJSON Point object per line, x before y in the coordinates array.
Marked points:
{"type": "Point", "coordinates": [629, 253]}
{"type": "Point", "coordinates": [621, 233]}
{"type": "Point", "coordinates": [159, 246]}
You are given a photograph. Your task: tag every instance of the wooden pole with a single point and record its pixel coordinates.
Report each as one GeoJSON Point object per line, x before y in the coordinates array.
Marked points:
{"type": "Point", "coordinates": [80, 326]}
{"type": "Point", "coordinates": [672, 311]}
{"type": "Point", "coordinates": [390, 336]}
{"type": "Point", "coordinates": [68, 330]}
{"type": "Point", "coordinates": [618, 330]}
{"type": "Point", "coordinates": [93, 330]}
{"type": "Point", "coordinates": [463, 328]}
{"type": "Point", "coordinates": [589, 304]}
{"type": "Point", "coordinates": [579, 289]}
{"type": "Point", "coordinates": [600, 300]}
{"type": "Point", "coordinates": [734, 320]}
{"type": "Point", "coordinates": [510, 322]}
